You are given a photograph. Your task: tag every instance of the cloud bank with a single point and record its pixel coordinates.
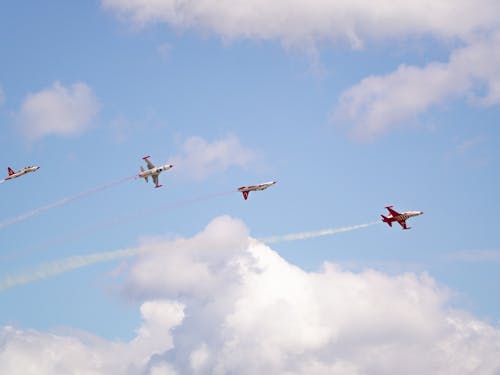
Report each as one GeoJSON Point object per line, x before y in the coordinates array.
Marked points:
{"type": "Point", "coordinates": [221, 303]}
{"type": "Point", "coordinates": [58, 110]}
{"type": "Point", "coordinates": [299, 22]}
{"type": "Point", "coordinates": [200, 158]}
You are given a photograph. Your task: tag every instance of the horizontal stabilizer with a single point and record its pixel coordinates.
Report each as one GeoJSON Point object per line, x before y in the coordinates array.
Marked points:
{"type": "Point", "coordinates": [386, 220]}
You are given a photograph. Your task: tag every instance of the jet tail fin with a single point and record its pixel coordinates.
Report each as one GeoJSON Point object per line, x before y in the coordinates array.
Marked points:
{"type": "Point", "coordinates": [386, 220]}
{"type": "Point", "coordinates": [11, 171]}
{"type": "Point", "coordinates": [245, 194]}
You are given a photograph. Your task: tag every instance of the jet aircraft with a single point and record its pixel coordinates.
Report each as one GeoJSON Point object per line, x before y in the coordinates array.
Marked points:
{"type": "Point", "coordinates": [153, 171]}
{"type": "Point", "coordinates": [13, 174]}
{"type": "Point", "coordinates": [245, 190]}
{"type": "Point", "coordinates": [400, 218]}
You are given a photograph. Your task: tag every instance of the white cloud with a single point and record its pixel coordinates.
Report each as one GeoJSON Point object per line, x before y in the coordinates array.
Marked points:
{"type": "Point", "coordinates": [199, 158]}
{"type": "Point", "coordinates": [221, 303]}
{"type": "Point", "coordinates": [299, 22]}
{"type": "Point", "coordinates": [380, 103]}
{"type": "Point", "coordinates": [58, 110]}
{"type": "Point", "coordinates": [37, 353]}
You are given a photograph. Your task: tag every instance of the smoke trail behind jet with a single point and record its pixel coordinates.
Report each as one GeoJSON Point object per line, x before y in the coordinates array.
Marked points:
{"type": "Point", "coordinates": [313, 234]}
{"type": "Point", "coordinates": [61, 202]}
{"type": "Point", "coordinates": [83, 232]}
{"type": "Point", "coordinates": [57, 267]}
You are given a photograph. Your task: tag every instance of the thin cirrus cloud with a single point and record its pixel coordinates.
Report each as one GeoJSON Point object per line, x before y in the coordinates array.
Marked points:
{"type": "Point", "coordinates": [222, 303]}
{"type": "Point", "coordinates": [200, 158]}
{"type": "Point", "coordinates": [380, 103]}
{"type": "Point", "coordinates": [58, 110]}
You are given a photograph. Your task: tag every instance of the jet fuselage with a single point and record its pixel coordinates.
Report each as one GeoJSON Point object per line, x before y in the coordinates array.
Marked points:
{"type": "Point", "coordinates": [21, 172]}
{"type": "Point", "coordinates": [155, 171]}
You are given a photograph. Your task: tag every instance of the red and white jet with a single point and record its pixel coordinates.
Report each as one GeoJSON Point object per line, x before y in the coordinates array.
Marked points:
{"type": "Point", "coordinates": [400, 218]}
{"type": "Point", "coordinates": [13, 174]}
{"type": "Point", "coordinates": [245, 190]}
{"type": "Point", "coordinates": [152, 171]}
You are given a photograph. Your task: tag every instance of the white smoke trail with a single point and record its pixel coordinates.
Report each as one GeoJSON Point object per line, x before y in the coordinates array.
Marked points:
{"type": "Point", "coordinates": [61, 202]}
{"type": "Point", "coordinates": [57, 267]}
{"type": "Point", "coordinates": [313, 234]}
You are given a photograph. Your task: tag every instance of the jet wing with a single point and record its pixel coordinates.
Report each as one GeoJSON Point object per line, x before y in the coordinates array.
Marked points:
{"type": "Point", "coordinates": [403, 224]}
{"type": "Point", "coordinates": [155, 179]}
{"type": "Point", "coordinates": [149, 164]}
{"type": "Point", "coordinates": [392, 212]}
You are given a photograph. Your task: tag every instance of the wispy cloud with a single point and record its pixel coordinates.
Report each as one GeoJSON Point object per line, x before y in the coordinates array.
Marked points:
{"type": "Point", "coordinates": [200, 158]}
{"type": "Point", "coordinates": [470, 144]}
{"type": "Point", "coordinates": [380, 103]}
{"type": "Point", "coordinates": [58, 110]}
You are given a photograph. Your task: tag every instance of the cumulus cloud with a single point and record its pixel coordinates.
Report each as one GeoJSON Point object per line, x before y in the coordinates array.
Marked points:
{"type": "Point", "coordinates": [380, 103]}
{"type": "Point", "coordinates": [222, 303]}
{"type": "Point", "coordinates": [29, 352]}
{"type": "Point", "coordinates": [200, 158]}
{"type": "Point", "coordinates": [58, 110]}
{"type": "Point", "coordinates": [299, 22]}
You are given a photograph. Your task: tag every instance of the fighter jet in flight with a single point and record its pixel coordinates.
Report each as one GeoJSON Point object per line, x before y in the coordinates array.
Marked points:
{"type": "Point", "coordinates": [13, 174]}
{"type": "Point", "coordinates": [153, 171]}
{"type": "Point", "coordinates": [245, 190]}
{"type": "Point", "coordinates": [400, 218]}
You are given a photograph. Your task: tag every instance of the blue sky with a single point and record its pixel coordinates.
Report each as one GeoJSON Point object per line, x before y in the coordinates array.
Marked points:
{"type": "Point", "coordinates": [348, 114]}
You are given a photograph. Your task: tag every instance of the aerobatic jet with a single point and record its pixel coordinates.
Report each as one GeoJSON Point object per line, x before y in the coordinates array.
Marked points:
{"type": "Point", "coordinates": [13, 174]}
{"type": "Point", "coordinates": [400, 218]}
{"type": "Point", "coordinates": [245, 190]}
{"type": "Point", "coordinates": [152, 171]}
